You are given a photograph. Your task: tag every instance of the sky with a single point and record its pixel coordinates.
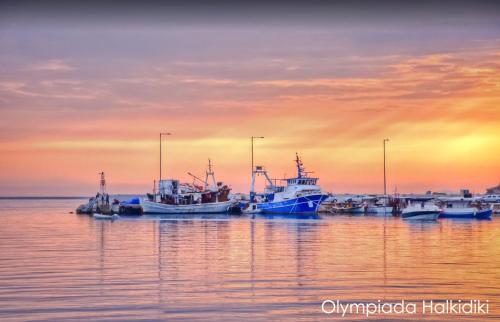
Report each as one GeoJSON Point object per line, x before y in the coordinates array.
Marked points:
{"type": "Point", "coordinates": [88, 88]}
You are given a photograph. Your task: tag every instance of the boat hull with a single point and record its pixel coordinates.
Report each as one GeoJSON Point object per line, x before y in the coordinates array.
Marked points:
{"type": "Point", "coordinates": [357, 210]}
{"type": "Point", "coordinates": [484, 214]}
{"type": "Point", "coordinates": [465, 213]}
{"type": "Point", "coordinates": [421, 215]}
{"type": "Point", "coordinates": [379, 210]}
{"type": "Point", "coordinates": [150, 207]}
{"type": "Point", "coordinates": [301, 205]}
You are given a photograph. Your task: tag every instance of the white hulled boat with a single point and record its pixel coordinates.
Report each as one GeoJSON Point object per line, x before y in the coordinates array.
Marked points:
{"type": "Point", "coordinates": [420, 209]}
{"type": "Point", "coordinates": [378, 206]}
{"type": "Point", "coordinates": [174, 197]}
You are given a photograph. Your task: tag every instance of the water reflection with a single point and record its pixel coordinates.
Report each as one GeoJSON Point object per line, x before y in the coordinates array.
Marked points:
{"type": "Point", "coordinates": [57, 266]}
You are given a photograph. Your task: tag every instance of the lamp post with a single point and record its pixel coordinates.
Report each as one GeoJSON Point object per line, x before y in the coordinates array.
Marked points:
{"type": "Point", "coordinates": [385, 180]}
{"type": "Point", "coordinates": [254, 137]}
{"type": "Point", "coordinates": [161, 135]}
{"type": "Point", "coordinates": [252, 175]}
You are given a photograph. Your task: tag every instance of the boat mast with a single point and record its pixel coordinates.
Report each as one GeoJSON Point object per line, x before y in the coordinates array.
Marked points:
{"type": "Point", "coordinates": [300, 166]}
{"type": "Point", "coordinates": [159, 182]}
{"type": "Point", "coordinates": [210, 173]}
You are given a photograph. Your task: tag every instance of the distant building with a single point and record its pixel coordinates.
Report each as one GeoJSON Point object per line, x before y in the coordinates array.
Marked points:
{"type": "Point", "coordinates": [465, 193]}
{"type": "Point", "coordinates": [436, 193]}
{"type": "Point", "coordinates": [493, 190]}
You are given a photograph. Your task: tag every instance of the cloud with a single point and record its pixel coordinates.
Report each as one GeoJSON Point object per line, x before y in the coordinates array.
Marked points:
{"type": "Point", "coordinates": [330, 99]}
{"type": "Point", "coordinates": [53, 65]}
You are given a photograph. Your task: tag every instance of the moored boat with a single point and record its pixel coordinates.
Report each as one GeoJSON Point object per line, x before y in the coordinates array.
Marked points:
{"type": "Point", "coordinates": [156, 207]}
{"type": "Point", "coordinates": [463, 208]}
{"type": "Point", "coordinates": [420, 209]}
{"type": "Point", "coordinates": [348, 207]}
{"type": "Point", "coordinates": [105, 216]}
{"type": "Point", "coordinates": [301, 195]}
{"type": "Point", "coordinates": [327, 205]}
{"type": "Point", "coordinates": [378, 206]}
{"type": "Point", "coordinates": [174, 197]}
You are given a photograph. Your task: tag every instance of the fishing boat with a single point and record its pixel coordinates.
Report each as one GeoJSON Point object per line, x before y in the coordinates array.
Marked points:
{"type": "Point", "coordinates": [462, 208]}
{"type": "Point", "coordinates": [420, 209]}
{"type": "Point", "coordinates": [300, 195]}
{"type": "Point", "coordinates": [174, 197]}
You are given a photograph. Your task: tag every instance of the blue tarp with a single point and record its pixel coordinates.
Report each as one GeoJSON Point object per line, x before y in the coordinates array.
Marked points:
{"type": "Point", "coordinates": [133, 201]}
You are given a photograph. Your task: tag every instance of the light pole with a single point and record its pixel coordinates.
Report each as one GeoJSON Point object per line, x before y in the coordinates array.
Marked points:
{"type": "Point", "coordinates": [252, 177]}
{"type": "Point", "coordinates": [385, 181]}
{"type": "Point", "coordinates": [254, 137]}
{"type": "Point", "coordinates": [161, 135]}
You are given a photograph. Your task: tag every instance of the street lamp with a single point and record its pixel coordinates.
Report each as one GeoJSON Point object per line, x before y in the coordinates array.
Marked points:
{"type": "Point", "coordinates": [254, 137]}
{"type": "Point", "coordinates": [161, 135]}
{"type": "Point", "coordinates": [385, 180]}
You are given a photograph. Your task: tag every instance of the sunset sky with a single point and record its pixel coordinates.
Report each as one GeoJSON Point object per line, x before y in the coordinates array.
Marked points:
{"type": "Point", "coordinates": [89, 89]}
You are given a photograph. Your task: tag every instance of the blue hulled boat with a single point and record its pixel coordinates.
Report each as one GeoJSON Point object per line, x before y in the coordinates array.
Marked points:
{"type": "Point", "coordinates": [300, 195]}
{"type": "Point", "coordinates": [459, 207]}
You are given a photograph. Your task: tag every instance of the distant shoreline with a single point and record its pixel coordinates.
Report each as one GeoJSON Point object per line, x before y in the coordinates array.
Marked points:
{"type": "Point", "coordinates": [63, 197]}
{"type": "Point", "coordinates": [42, 197]}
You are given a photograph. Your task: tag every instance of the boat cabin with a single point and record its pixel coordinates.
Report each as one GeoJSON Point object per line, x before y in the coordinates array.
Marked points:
{"type": "Point", "coordinates": [301, 181]}
{"type": "Point", "coordinates": [455, 203]}
{"type": "Point", "coordinates": [169, 187]}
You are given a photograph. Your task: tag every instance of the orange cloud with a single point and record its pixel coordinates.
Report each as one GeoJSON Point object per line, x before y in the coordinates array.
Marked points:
{"type": "Point", "coordinates": [441, 113]}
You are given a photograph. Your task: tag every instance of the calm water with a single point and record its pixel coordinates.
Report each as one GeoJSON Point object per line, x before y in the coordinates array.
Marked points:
{"type": "Point", "coordinates": [57, 266]}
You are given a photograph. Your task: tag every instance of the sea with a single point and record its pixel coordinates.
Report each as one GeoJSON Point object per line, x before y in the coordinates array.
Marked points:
{"type": "Point", "coordinates": [56, 265]}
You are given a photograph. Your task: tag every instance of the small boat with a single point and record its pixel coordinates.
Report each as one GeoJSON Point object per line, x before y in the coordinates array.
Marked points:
{"type": "Point", "coordinates": [420, 209]}
{"type": "Point", "coordinates": [174, 197]}
{"type": "Point", "coordinates": [348, 207]}
{"type": "Point", "coordinates": [105, 217]}
{"type": "Point", "coordinates": [327, 205]}
{"type": "Point", "coordinates": [463, 208]}
{"type": "Point", "coordinates": [301, 195]}
{"type": "Point", "coordinates": [378, 206]}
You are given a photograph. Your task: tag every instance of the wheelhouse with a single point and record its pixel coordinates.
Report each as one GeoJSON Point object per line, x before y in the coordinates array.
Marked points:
{"type": "Point", "coordinates": [302, 181]}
